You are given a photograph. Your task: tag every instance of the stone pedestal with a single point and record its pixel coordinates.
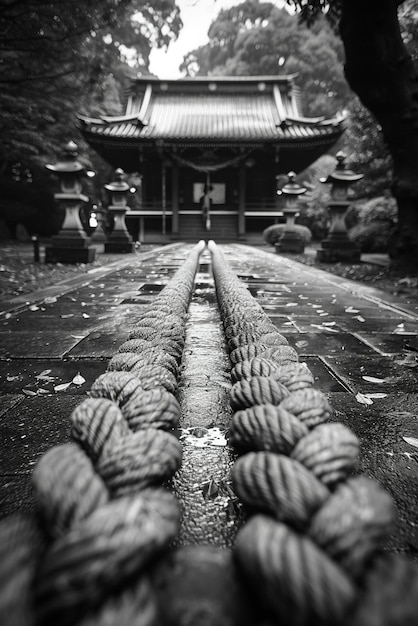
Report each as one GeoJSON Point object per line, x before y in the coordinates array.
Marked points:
{"type": "Point", "coordinates": [71, 245]}
{"type": "Point", "coordinates": [119, 241]}
{"type": "Point", "coordinates": [290, 241]}
{"type": "Point", "coordinates": [337, 249]}
{"type": "Point", "coordinates": [337, 245]}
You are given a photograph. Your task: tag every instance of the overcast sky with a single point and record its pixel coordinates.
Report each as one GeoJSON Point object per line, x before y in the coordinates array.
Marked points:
{"type": "Point", "coordinates": [197, 16]}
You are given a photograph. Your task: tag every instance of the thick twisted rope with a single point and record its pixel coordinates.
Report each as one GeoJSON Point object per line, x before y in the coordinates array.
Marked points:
{"type": "Point", "coordinates": [313, 546]}
{"type": "Point", "coordinates": [102, 512]}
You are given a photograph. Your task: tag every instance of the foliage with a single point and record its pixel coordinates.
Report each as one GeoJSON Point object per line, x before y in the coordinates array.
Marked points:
{"type": "Point", "coordinates": [57, 53]}
{"type": "Point", "coordinates": [314, 212]}
{"type": "Point", "coordinates": [272, 234]}
{"type": "Point", "coordinates": [257, 38]}
{"type": "Point", "coordinates": [375, 224]}
{"type": "Point", "coordinates": [60, 58]}
{"type": "Point", "coordinates": [368, 153]}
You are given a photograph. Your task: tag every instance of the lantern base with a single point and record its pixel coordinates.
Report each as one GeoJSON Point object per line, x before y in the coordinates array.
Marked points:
{"type": "Point", "coordinates": [119, 247]}
{"type": "Point", "coordinates": [54, 254]}
{"type": "Point", "coordinates": [334, 250]}
{"type": "Point", "coordinates": [290, 242]}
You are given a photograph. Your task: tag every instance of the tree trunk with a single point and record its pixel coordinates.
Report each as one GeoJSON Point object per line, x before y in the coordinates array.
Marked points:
{"type": "Point", "coordinates": [380, 71]}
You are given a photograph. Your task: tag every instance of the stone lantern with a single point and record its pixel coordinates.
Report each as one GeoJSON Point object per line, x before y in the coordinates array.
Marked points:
{"type": "Point", "coordinates": [119, 241]}
{"type": "Point", "coordinates": [337, 246]}
{"type": "Point", "coordinates": [291, 240]}
{"type": "Point", "coordinates": [71, 245]}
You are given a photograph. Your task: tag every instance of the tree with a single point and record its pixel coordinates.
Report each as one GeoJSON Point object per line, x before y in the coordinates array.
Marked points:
{"type": "Point", "coordinates": [256, 38]}
{"type": "Point", "coordinates": [56, 53]}
{"type": "Point", "coordinates": [384, 74]}
{"type": "Point", "coordinates": [59, 58]}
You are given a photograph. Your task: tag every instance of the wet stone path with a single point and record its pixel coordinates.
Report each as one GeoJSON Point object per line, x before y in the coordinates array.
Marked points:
{"type": "Point", "coordinates": [359, 346]}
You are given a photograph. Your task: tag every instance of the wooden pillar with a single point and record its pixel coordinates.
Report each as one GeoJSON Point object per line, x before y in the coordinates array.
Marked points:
{"type": "Point", "coordinates": [241, 200]}
{"type": "Point", "coordinates": [163, 197]}
{"type": "Point", "coordinates": [175, 198]}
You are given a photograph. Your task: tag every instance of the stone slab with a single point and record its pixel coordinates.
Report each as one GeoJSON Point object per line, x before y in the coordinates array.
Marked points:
{"type": "Point", "coordinates": [334, 344]}
{"type": "Point", "coordinates": [8, 400]}
{"type": "Point", "coordinates": [32, 345]}
{"type": "Point", "coordinates": [99, 344]}
{"type": "Point", "coordinates": [16, 494]}
{"type": "Point", "coordinates": [371, 325]}
{"type": "Point", "coordinates": [40, 376]}
{"type": "Point", "coordinates": [386, 456]}
{"type": "Point", "coordinates": [393, 377]}
{"type": "Point", "coordinates": [392, 343]}
{"type": "Point", "coordinates": [324, 378]}
{"type": "Point", "coordinates": [31, 428]}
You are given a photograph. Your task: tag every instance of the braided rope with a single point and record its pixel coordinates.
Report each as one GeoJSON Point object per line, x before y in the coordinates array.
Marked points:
{"type": "Point", "coordinates": [102, 512]}
{"type": "Point", "coordinates": [313, 547]}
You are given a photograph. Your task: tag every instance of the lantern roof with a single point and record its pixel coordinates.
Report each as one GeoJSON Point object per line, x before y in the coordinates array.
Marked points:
{"type": "Point", "coordinates": [342, 174]}
{"type": "Point", "coordinates": [292, 188]}
{"type": "Point", "coordinates": [119, 184]}
{"type": "Point", "coordinates": [69, 163]}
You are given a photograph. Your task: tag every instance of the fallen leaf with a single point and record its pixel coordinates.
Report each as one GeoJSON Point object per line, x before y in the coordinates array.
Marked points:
{"type": "Point", "coordinates": [410, 360]}
{"type": "Point", "coordinates": [43, 374]}
{"type": "Point", "coordinates": [62, 387]}
{"type": "Point", "coordinates": [363, 399]}
{"type": "Point", "coordinates": [375, 395]}
{"type": "Point", "coordinates": [413, 441]}
{"type": "Point", "coordinates": [78, 379]}
{"type": "Point", "coordinates": [324, 327]}
{"type": "Point", "coordinates": [372, 379]}
{"type": "Point", "coordinates": [400, 330]}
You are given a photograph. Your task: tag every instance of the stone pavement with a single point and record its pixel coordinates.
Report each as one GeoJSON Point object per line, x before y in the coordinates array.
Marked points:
{"type": "Point", "coordinates": [360, 344]}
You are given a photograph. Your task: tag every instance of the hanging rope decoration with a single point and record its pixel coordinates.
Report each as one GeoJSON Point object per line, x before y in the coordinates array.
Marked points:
{"type": "Point", "coordinates": [311, 551]}
{"type": "Point", "coordinates": [102, 514]}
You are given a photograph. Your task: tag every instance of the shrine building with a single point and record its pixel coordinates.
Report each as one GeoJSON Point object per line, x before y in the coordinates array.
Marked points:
{"type": "Point", "coordinates": [207, 152]}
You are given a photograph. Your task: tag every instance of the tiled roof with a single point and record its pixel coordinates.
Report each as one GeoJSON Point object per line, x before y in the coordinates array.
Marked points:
{"type": "Point", "coordinates": [234, 113]}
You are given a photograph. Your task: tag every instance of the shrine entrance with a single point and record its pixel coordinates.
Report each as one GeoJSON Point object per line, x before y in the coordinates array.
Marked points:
{"type": "Point", "coordinates": [209, 152]}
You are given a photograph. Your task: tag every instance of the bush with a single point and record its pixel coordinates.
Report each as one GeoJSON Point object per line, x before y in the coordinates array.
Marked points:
{"type": "Point", "coordinates": [376, 220]}
{"type": "Point", "coordinates": [272, 234]}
